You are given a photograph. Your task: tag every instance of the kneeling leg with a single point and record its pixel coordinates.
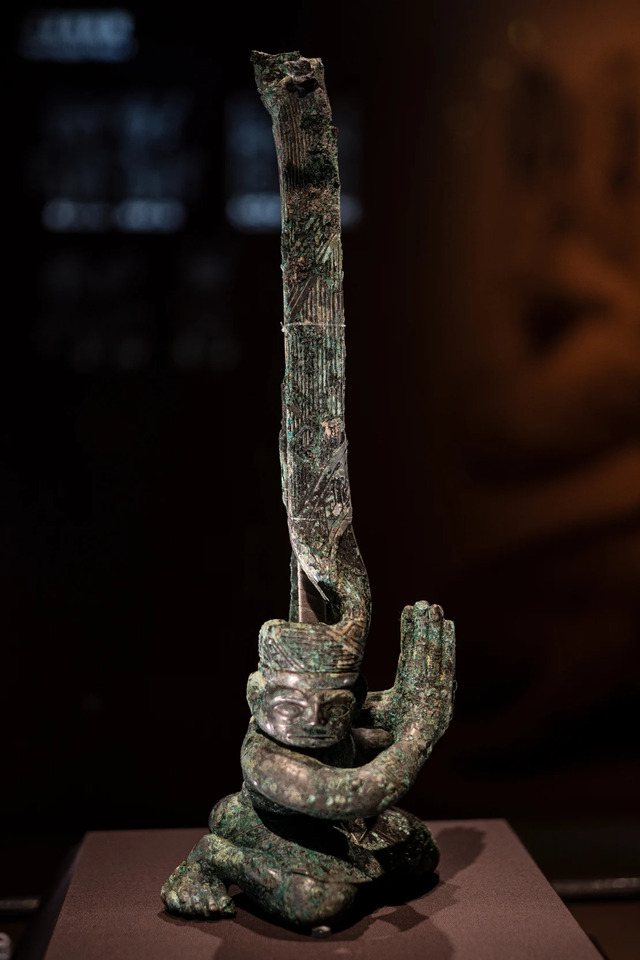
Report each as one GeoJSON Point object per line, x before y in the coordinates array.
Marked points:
{"type": "Point", "coordinates": [293, 896]}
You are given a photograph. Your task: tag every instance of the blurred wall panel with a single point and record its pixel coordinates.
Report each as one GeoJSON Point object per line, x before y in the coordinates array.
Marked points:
{"type": "Point", "coordinates": [526, 304]}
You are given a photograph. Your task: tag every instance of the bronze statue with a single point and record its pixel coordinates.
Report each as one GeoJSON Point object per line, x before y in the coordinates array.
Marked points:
{"type": "Point", "coordinates": [323, 762]}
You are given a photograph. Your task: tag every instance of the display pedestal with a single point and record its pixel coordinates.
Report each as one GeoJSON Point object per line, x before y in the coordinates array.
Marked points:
{"type": "Point", "coordinates": [492, 902]}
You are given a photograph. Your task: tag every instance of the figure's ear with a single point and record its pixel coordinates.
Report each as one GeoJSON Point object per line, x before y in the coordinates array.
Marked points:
{"type": "Point", "coordinates": [255, 689]}
{"type": "Point", "coordinates": [360, 690]}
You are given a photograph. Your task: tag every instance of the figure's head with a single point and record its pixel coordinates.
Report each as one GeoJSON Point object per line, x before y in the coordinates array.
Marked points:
{"type": "Point", "coordinates": [308, 687]}
{"type": "Point", "coordinates": [304, 709]}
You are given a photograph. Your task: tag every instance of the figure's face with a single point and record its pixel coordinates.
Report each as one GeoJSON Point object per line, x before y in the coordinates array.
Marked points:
{"type": "Point", "coordinates": [302, 710]}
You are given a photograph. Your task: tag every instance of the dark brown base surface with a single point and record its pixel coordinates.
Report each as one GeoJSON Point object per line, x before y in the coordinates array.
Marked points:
{"type": "Point", "coordinates": [491, 902]}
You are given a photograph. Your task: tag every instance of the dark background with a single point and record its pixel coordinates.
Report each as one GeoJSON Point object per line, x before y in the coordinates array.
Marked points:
{"type": "Point", "coordinates": [493, 312]}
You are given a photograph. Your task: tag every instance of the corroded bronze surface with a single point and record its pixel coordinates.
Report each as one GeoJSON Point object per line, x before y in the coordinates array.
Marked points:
{"type": "Point", "coordinates": [323, 762]}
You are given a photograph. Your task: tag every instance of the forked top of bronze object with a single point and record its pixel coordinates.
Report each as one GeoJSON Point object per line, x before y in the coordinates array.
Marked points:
{"type": "Point", "coordinates": [329, 580]}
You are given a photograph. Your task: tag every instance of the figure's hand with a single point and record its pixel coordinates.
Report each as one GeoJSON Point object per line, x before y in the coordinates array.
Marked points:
{"type": "Point", "coordinates": [369, 741]}
{"type": "Point", "coordinates": [422, 696]}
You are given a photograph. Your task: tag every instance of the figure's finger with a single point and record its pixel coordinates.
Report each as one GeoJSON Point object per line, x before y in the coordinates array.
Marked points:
{"type": "Point", "coordinates": [448, 659]}
{"type": "Point", "coordinates": [407, 634]}
{"type": "Point", "coordinates": [433, 654]}
{"type": "Point", "coordinates": [417, 620]}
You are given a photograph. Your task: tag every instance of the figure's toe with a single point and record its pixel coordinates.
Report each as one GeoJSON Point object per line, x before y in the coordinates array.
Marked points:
{"type": "Point", "coordinates": [217, 904]}
{"type": "Point", "coordinates": [170, 899]}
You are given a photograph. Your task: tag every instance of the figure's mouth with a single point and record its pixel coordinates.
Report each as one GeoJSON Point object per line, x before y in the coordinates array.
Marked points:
{"type": "Point", "coordinates": [305, 738]}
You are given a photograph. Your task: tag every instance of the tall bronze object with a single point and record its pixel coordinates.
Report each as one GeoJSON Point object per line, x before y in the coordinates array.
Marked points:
{"type": "Point", "coordinates": [323, 762]}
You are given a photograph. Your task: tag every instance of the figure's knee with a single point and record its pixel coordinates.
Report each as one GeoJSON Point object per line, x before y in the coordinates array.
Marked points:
{"type": "Point", "coordinates": [426, 857]}
{"type": "Point", "coordinates": [423, 851]}
{"type": "Point", "coordinates": [414, 853]}
{"type": "Point", "coordinates": [226, 809]}
{"type": "Point", "coordinates": [309, 903]}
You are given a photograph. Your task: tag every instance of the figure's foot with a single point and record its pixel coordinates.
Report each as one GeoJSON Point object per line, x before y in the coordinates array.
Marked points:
{"type": "Point", "coordinates": [192, 894]}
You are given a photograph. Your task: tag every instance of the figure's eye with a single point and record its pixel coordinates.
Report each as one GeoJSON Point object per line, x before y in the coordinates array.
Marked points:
{"type": "Point", "coordinates": [289, 709]}
{"type": "Point", "coordinates": [336, 711]}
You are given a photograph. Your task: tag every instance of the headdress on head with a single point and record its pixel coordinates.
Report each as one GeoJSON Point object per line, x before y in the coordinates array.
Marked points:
{"type": "Point", "coordinates": [312, 647]}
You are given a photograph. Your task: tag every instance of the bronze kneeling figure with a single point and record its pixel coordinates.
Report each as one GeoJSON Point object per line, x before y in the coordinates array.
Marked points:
{"type": "Point", "coordinates": [323, 764]}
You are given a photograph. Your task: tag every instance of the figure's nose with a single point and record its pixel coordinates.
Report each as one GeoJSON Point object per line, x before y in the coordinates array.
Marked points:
{"type": "Point", "coordinates": [314, 715]}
